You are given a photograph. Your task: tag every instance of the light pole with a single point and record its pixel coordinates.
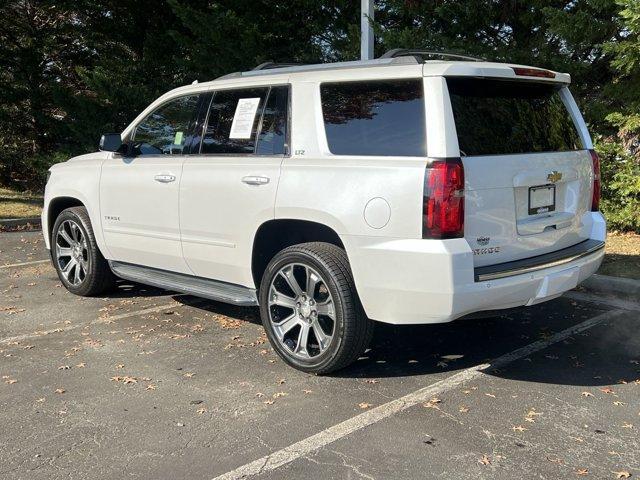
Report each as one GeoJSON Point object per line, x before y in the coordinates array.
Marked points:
{"type": "Point", "coordinates": [366, 30]}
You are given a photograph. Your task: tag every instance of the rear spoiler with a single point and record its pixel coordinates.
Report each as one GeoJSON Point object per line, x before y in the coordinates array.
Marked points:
{"type": "Point", "coordinates": [493, 70]}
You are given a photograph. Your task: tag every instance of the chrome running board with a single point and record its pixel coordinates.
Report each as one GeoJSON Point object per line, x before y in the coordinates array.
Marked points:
{"type": "Point", "coordinates": [179, 282]}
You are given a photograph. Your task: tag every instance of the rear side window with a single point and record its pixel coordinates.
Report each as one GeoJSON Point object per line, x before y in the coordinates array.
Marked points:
{"type": "Point", "coordinates": [232, 123]}
{"type": "Point", "coordinates": [375, 117]}
{"type": "Point", "coordinates": [497, 117]}
{"type": "Point", "coordinates": [273, 132]}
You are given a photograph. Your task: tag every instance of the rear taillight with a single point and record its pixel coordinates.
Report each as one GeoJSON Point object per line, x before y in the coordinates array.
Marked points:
{"type": "Point", "coordinates": [443, 202]}
{"type": "Point", "coordinates": [595, 198]}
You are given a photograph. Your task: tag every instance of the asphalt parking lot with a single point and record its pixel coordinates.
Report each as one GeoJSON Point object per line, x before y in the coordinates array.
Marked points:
{"type": "Point", "coordinates": [148, 384]}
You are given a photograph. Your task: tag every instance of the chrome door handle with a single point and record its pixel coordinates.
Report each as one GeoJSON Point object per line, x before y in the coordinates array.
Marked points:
{"type": "Point", "coordinates": [255, 180]}
{"type": "Point", "coordinates": [164, 178]}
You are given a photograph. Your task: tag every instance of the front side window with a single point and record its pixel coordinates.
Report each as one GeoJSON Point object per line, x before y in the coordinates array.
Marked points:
{"type": "Point", "coordinates": [501, 117]}
{"type": "Point", "coordinates": [165, 130]}
{"type": "Point", "coordinates": [233, 120]}
{"type": "Point", "coordinates": [375, 117]}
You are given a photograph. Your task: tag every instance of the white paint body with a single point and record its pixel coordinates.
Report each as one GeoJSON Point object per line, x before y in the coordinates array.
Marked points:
{"type": "Point", "coordinates": [204, 223]}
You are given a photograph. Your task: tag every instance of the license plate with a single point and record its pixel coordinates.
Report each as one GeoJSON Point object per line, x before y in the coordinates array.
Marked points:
{"type": "Point", "coordinates": [542, 199]}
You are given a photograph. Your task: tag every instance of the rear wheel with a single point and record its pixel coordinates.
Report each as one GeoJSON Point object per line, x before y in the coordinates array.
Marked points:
{"type": "Point", "coordinates": [80, 265]}
{"type": "Point", "coordinates": [310, 309]}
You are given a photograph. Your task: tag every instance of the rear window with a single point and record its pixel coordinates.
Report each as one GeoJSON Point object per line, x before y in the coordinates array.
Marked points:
{"type": "Point", "coordinates": [375, 117]}
{"type": "Point", "coordinates": [497, 117]}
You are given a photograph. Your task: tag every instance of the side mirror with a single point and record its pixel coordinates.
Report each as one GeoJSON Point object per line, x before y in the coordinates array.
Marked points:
{"type": "Point", "coordinates": [111, 142]}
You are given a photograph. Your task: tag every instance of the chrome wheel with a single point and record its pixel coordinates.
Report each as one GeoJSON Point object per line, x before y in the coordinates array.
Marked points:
{"type": "Point", "coordinates": [71, 252]}
{"type": "Point", "coordinates": [301, 311]}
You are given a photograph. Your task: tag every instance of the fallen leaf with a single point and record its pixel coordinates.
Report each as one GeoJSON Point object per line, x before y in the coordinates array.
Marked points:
{"type": "Point", "coordinates": [189, 375]}
{"type": "Point", "coordinates": [627, 425]}
{"type": "Point", "coordinates": [463, 409]}
{"type": "Point", "coordinates": [268, 402]}
{"type": "Point", "coordinates": [201, 410]}
{"type": "Point", "coordinates": [119, 366]}
{"type": "Point", "coordinates": [490, 395]}
{"type": "Point", "coordinates": [622, 474]}
{"type": "Point", "coordinates": [307, 391]}
{"type": "Point", "coordinates": [129, 380]}
{"type": "Point", "coordinates": [618, 403]}
{"type": "Point", "coordinates": [280, 394]}
{"type": "Point", "coordinates": [433, 403]}
{"type": "Point", "coordinates": [485, 460]}
{"type": "Point", "coordinates": [150, 387]}
{"type": "Point", "coordinates": [518, 428]}
{"type": "Point", "coordinates": [451, 357]}
{"type": "Point", "coordinates": [60, 390]}
{"type": "Point", "coordinates": [607, 390]}
{"type": "Point", "coordinates": [11, 381]}
{"type": "Point", "coordinates": [582, 471]}
{"type": "Point", "coordinates": [365, 405]}
{"type": "Point", "coordinates": [81, 365]}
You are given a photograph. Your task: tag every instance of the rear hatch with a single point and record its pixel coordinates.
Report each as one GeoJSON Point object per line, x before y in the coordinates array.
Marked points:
{"type": "Point", "coordinates": [528, 178]}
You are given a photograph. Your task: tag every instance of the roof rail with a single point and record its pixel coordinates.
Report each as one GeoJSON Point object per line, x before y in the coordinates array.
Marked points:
{"type": "Point", "coordinates": [419, 53]}
{"type": "Point", "coordinates": [271, 64]}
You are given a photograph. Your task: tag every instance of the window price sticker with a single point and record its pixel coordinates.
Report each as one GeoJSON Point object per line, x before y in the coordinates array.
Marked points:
{"type": "Point", "coordinates": [244, 118]}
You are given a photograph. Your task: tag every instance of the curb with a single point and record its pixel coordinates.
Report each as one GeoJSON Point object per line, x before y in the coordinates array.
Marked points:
{"type": "Point", "coordinates": [21, 223]}
{"type": "Point", "coordinates": [619, 287]}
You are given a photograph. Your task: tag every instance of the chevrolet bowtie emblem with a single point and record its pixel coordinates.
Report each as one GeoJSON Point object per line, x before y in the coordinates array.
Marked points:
{"type": "Point", "coordinates": [554, 176]}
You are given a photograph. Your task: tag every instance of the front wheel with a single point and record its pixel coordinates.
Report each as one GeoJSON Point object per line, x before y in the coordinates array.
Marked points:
{"type": "Point", "coordinates": [80, 265]}
{"type": "Point", "coordinates": [310, 309]}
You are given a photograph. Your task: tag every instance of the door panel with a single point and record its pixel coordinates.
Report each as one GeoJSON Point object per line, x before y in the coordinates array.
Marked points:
{"type": "Point", "coordinates": [139, 206]}
{"type": "Point", "coordinates": [220, 212]}
{"type": "Point", "coordinates": [230, 190]}
{"type": "Point", "coordinates": [139, 194]}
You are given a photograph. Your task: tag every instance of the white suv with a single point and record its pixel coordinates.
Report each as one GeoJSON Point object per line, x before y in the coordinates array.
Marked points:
{"type": "Point", "coordinates": [400, 190]}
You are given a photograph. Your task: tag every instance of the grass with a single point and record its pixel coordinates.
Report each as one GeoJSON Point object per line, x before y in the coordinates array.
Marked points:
{"type": "Point", "coordinates": [622, 255]}
{"type": "Point", "coordinates": [19, 204]}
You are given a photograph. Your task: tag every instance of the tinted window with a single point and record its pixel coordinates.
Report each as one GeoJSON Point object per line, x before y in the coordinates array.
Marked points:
{"type": "Point", "coordinates": [375, 117]}
{"type": "Point", "coordinates": [165, 130]}
{"type": "Point", "coordinates": [496, 117]}
{"type": "Point", "coordinates": [240, 109]}
{"type": "Point", "coordinates": [273, 133]}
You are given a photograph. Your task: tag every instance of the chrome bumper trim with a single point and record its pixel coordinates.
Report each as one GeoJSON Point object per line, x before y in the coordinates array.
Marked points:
{"type": "Point", "coordinates": [540, 262]}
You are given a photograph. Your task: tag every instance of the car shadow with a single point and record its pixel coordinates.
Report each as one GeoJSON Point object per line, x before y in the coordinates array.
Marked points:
{"type": "Point", "coordinates": [443, 349]}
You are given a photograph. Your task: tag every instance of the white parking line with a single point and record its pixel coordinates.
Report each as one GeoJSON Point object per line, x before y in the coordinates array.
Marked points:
{"type": "Point", "coordinates": [159, 308]}
{"type": "Point", "coordinates": [23, 264]}
{"type": "Point", "coordinates": [336, 432]}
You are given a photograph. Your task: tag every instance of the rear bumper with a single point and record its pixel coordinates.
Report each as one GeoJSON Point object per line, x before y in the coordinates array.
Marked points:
{"type": "Point", "coordinates": [426, 281]}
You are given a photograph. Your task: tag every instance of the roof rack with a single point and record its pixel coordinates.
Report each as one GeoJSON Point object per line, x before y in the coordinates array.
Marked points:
{"type": "Point", "coordinates": [271, 64]}
{"type": "Point", "coordinates": [420, 54]}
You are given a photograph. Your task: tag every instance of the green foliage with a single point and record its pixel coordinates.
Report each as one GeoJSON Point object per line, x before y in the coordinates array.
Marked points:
{"type": "Point", "coordinates": [620, 201]}
{"type": "Point", "coordinates": [72, 70]}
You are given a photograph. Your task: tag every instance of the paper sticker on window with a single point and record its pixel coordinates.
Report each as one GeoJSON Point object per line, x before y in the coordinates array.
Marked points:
{"type": "Point", "coordinates": [244, 118]}
{"type": "Point", "coordinates": [178, 139]}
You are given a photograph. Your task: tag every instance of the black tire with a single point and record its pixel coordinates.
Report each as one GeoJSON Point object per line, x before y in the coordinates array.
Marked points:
{"type": "Point", "coordinates": [352, 330]}
{"type": "Point", "coordinates": [98, 277]}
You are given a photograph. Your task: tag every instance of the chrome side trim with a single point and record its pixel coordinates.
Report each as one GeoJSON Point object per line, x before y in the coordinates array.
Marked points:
{"type": "Point", "coordinates": [198, 286]}
{"type": "Point", "coordinates": [540, 262]}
